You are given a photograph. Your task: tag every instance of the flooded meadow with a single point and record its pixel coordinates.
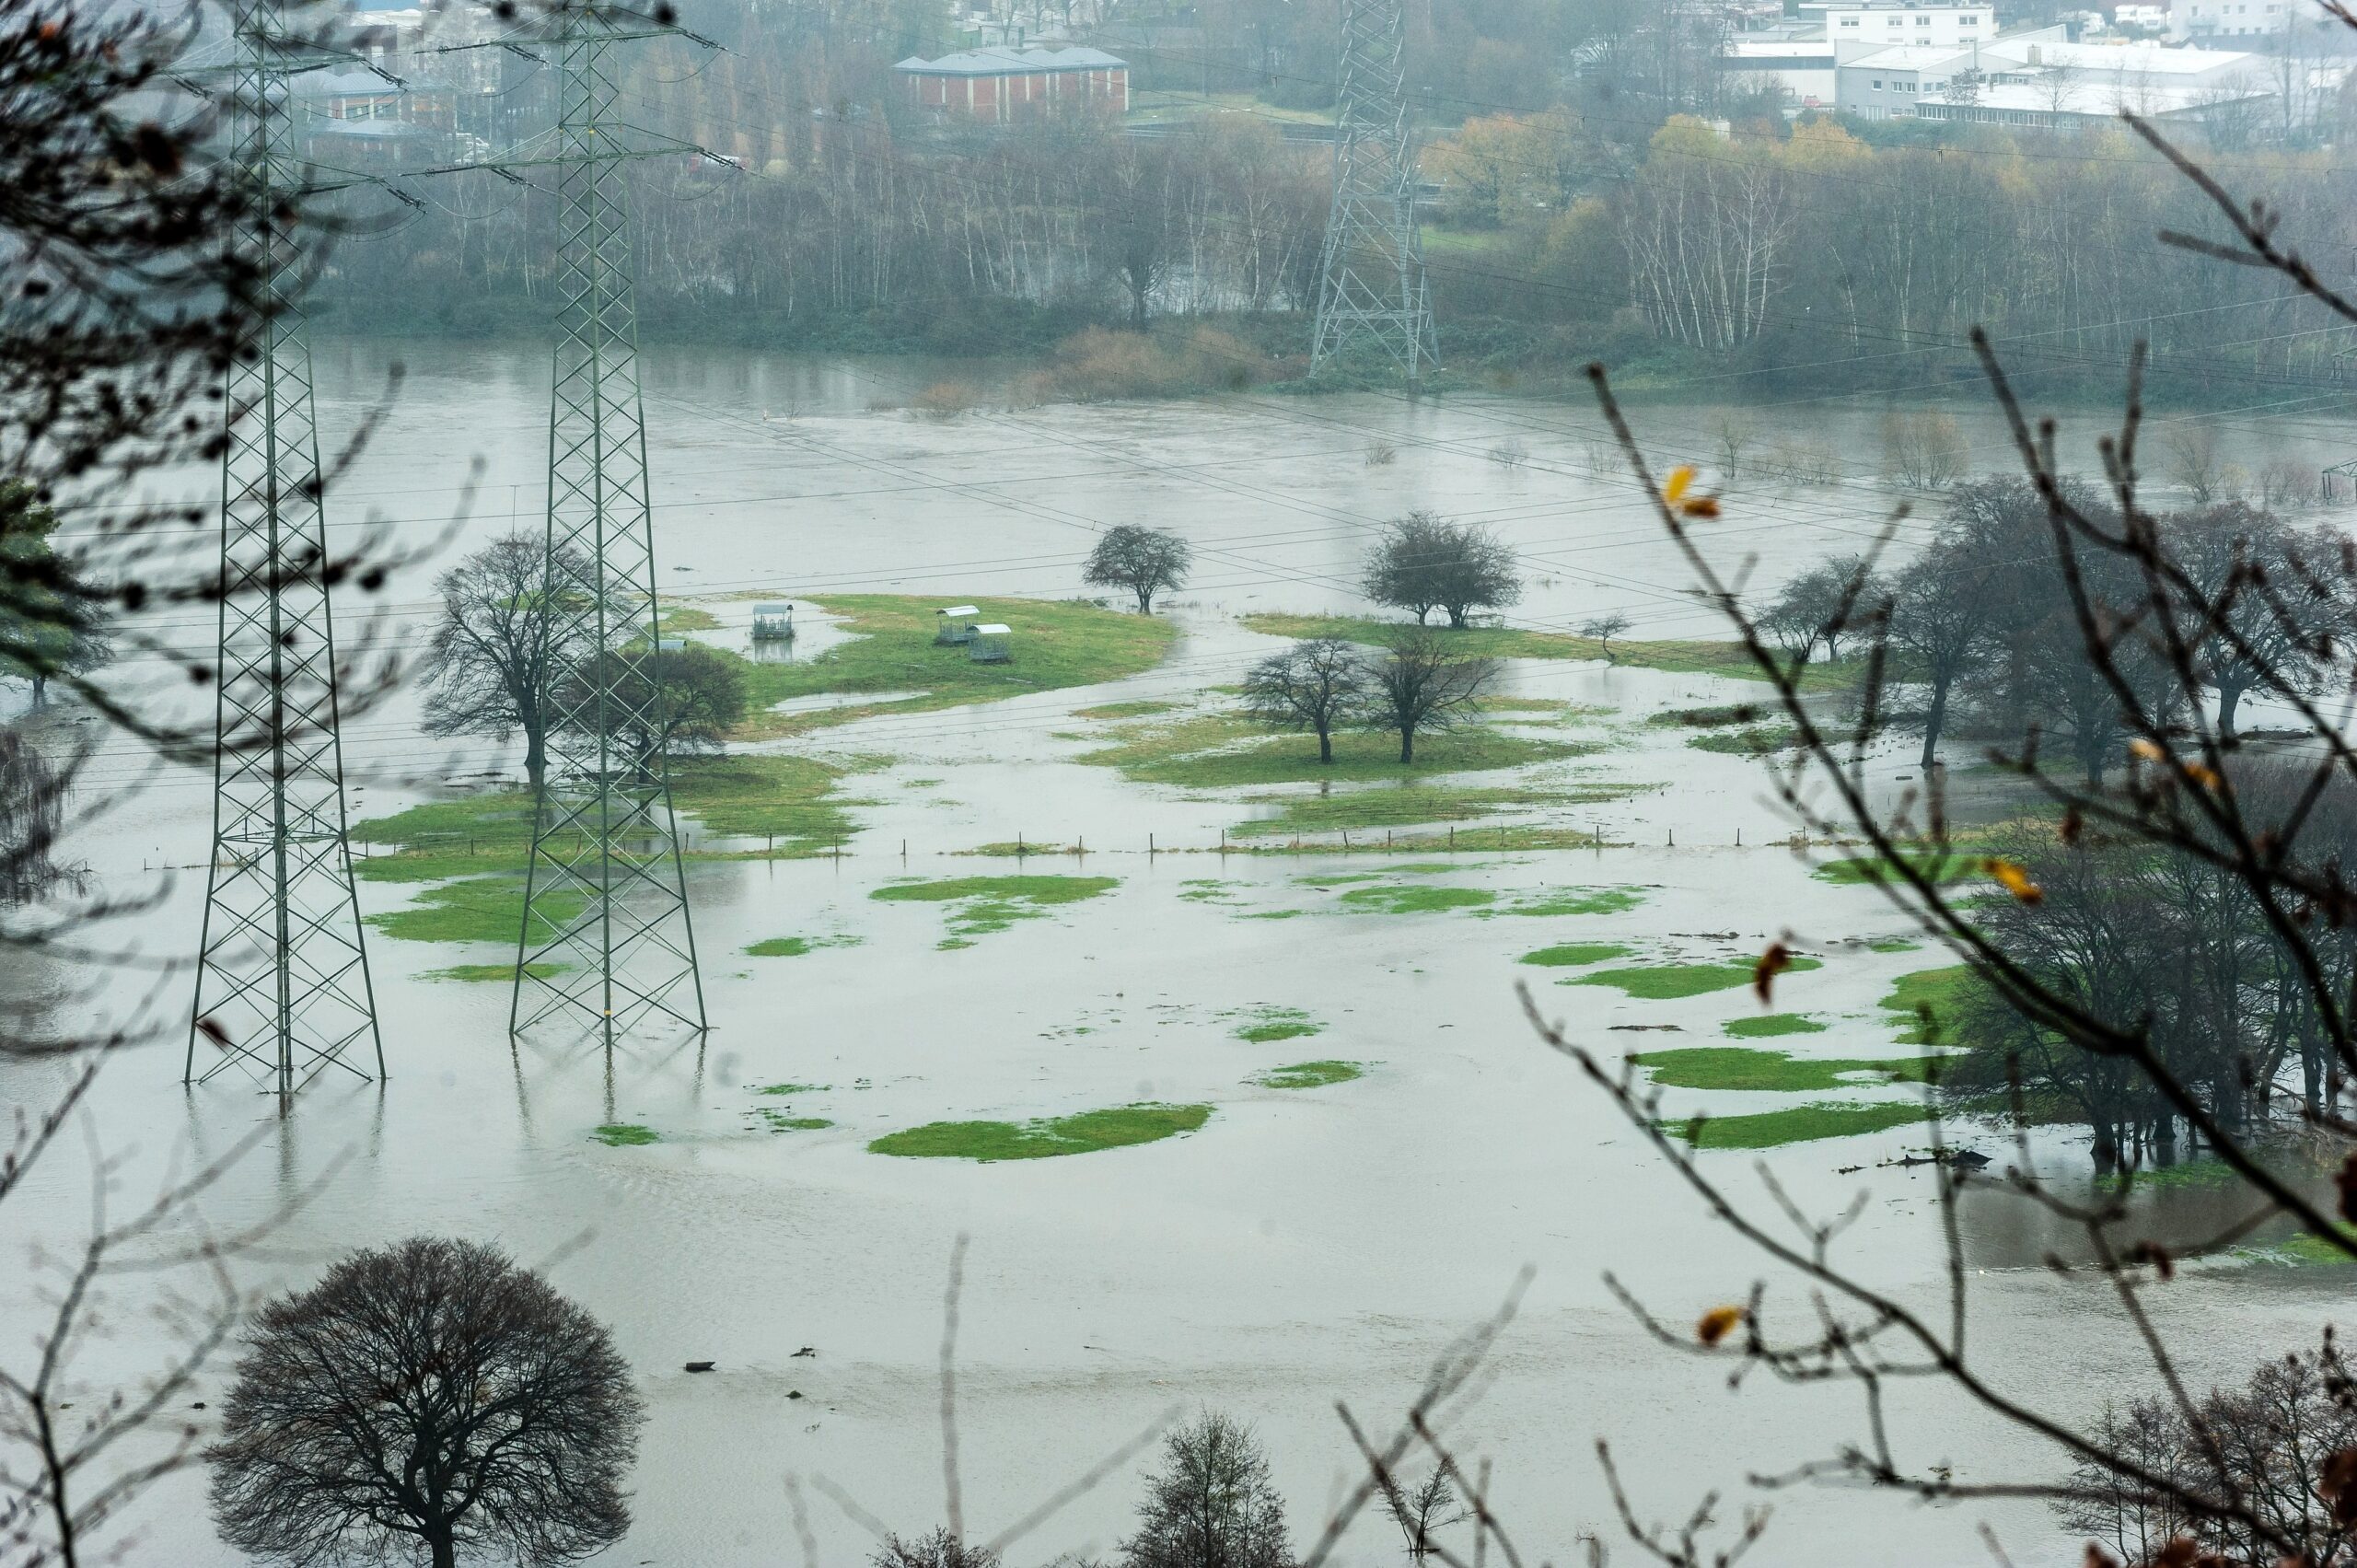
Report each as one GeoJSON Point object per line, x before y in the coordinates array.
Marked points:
{"type": "Point", "coordinates": [1220, 1059]}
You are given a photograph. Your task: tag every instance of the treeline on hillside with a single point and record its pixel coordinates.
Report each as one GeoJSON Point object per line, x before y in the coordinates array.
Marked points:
{"type": "Point", "coordinates": [1814, 250]}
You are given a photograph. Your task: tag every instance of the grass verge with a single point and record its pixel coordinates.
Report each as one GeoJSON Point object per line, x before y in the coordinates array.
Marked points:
{"type": "Point", "coordinates": [625, 1135]}
{"type": "Point", "coordinates": [1928, 1003]}
{"type": "Point", "coordinates": [1771, 1024]}
{"type": "Point", "coordinates": [1413, 899]}
{"type": "Point", "coordinates": [1572, 955]}
{"type": "Point", "coordinates": [492, 972]}
{"type": "Point", "coordinates": [1265, 1025]}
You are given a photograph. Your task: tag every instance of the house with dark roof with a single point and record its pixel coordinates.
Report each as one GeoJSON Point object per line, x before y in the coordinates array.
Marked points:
{"type": "Point", "coordinates": [993, 86]}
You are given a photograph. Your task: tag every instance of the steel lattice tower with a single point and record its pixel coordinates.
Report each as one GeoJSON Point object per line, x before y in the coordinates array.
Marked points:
{"type": "Point", "coordinates": [606, 933]}
{"type": "Point", "coordinates": [283, 984]}
{"type": "Point", "coordinates": [1371, 284]}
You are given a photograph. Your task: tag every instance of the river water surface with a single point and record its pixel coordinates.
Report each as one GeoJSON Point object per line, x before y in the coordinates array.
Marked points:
{"type": "Point", "coordinates": [1304, 1247]}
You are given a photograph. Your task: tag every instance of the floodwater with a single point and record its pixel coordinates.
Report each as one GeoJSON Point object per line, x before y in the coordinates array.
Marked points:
{"type": "Point", "coordinates": [1304, 1247]}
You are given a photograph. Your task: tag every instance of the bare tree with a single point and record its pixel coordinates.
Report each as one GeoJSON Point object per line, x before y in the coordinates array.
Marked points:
{"type": "Point", "coordinates": [1604, 628]}
{"type": "Point", "coordinates": [1319, 685]}
{"type": "Point", "coordinates": [1424, 684]}
{"type": "Point", "coordinates": [487, 669]}
{"type": "Point", "coordinates": [1422, 563]}
{"type": "Point", "coordinates": [1422, 1510]}
{"type": "Point", "coordinates": [939, 1549]}
{"type": "Point", "coordinates": [421, 1398]}
{"type": "Point", "coordinates": [1145, 561]}
{"type": "Point", "coordinates": [1940, 615]}
{"type": "Point", "coordinates": [659, 703]}
{"type": "Point", "coordinates": [1212, 1505]}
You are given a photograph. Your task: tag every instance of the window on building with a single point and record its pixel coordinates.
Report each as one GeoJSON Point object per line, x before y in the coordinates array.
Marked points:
{"type": "Point", "coordinates": [1877, 84]}
{"type": "Point", "coordinates": [1849, 21]}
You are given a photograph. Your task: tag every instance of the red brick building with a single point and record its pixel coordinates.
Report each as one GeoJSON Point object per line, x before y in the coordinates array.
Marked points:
{"type": "Point", "coordinates": [996, 85]}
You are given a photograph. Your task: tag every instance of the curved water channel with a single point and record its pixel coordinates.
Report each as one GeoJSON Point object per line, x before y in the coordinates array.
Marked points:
{"type": "Point", "coordinates": [1304, 1246]}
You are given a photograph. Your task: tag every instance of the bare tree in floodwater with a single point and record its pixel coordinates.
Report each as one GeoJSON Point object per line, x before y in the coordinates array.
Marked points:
{"type": "Point", "coordinates": [1424, 684]}
{"type": "Point", "coordinates": [488, 667]}
{"type": "Point", "coordinates": [1319, 685]}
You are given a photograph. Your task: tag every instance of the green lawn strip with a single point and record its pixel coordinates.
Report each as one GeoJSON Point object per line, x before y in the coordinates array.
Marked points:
{"type": "Point", "coordinates": [1413, 899]}
{"type": "Point", "coordinates": [1942, 990]}
{"type": "Point", "coordinates": [1053, 645]}
{"type": "Point", "coordinates": [676, 619]}
{"type": "Point", "coordinates": [1578, 900]}
{"type": "Point", "coordinates": [985, 904]}
{"type": "Point", "coordinates": [625, 1135]}
{"type": "Point", "coordinates": [493, 971]}
{"type": "Point", "coordinates": [1115, 1127]}
{"type": "Point", "coordinates": [1263, 1025]}
{"type": "Point", "coordinates": [1802, 1124]}
{"type": "Point", "coordinates": [1666, 983]}
{"type": "Point", "coordinates": [1571, 955]}
{"type": "Point", "coordinates": [1678, 657]}
{"type": "Point", "coordinates": [476, 909]}
{"type": "Point", "coordinates": [1739, 1067]}
{"type": "Point", "coordinates": [1310, 1074]}
{"type": "Point", "coordinates": [1772, 1024]}
{"type": "Point", "coordinates": [1403, 806]}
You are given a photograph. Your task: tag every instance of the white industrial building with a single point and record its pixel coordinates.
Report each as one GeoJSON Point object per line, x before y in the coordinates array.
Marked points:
{"type": "Point", "coordinates": [1949, 61]}
{"type": "Point", "coordinates": [2041, 81]}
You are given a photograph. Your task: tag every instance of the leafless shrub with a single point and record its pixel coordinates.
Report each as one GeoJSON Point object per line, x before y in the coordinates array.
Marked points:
{"type": "Point", "coordinates": [1380, 453]}
{"type": "Point", "coordinates": [1923, 448]}
{"type": "Point", "coordinates": [1510, 453]}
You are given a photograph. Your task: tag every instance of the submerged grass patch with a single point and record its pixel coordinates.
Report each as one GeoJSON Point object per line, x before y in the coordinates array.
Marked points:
{"type": "Point", "coordinates": [1893, 944]}
{"type": "Point", "coordinates": [1738, 1067]}
{"type": "Point", "coordinates": [493, 971]}
{"type": "Point", "coordinates": [792, 1088]}
{"type": "Point", "coordinates": [1263, 1025]}
{"type": "Point", "coordinates": [1225, 751]}
{"type": "Point", "coordinates": [1667, 982]}
{"type": "Point", "coordinates": [625, 1135]}
{"type": "Point", "coordinates": [1414, 899]}
{"type": "Point", "coordinates": [799, 947]}
{"type": "Point", "coordinates": [789, 799]}
{"type": "Point", "coordinates": [476, 909]}
{"type": "Point", "coordinates": [678, 617]}
{"type": "Point", "coordinates": [1123, 710]}
{"type": "Point", "coordinates": [1055, 644]}
{"type": "Point", "coordinates": [1406, 805]}
{"type": "Point", "coordinates": [779, 1121]}
{"type": "Point", "coordinates": [983, 904]}
{"type": "Point", "coordinates": [1759, 741]}
{"type": "Point", "coordinates": [1571, 955]}
{"type": "Point", "coordinates": [1774, 1024]}
{"type": "Point", "coordinates": [1113, 1128]}
{"type": "Point", "coordinates": [1578, 900]}
{"type": "Point", "coordinates": [1310, 1074]}
{"type": "Point", "coordinates": [1928, 1003]}
{"type": "Point", "coordinates": [1802, 1124]}
{"type": "Point", "coordinates": [1860, 870]}
{"type": "Point", "coordinates": [1685, 659]}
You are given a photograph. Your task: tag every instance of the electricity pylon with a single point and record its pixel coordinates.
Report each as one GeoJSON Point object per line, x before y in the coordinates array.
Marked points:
{"type": "Point", "coordinates": [282, 986]}
{"type": "Point", "coordinates": [607, 935]}
{"type": "Point", "coordinates": [1371, 282]}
